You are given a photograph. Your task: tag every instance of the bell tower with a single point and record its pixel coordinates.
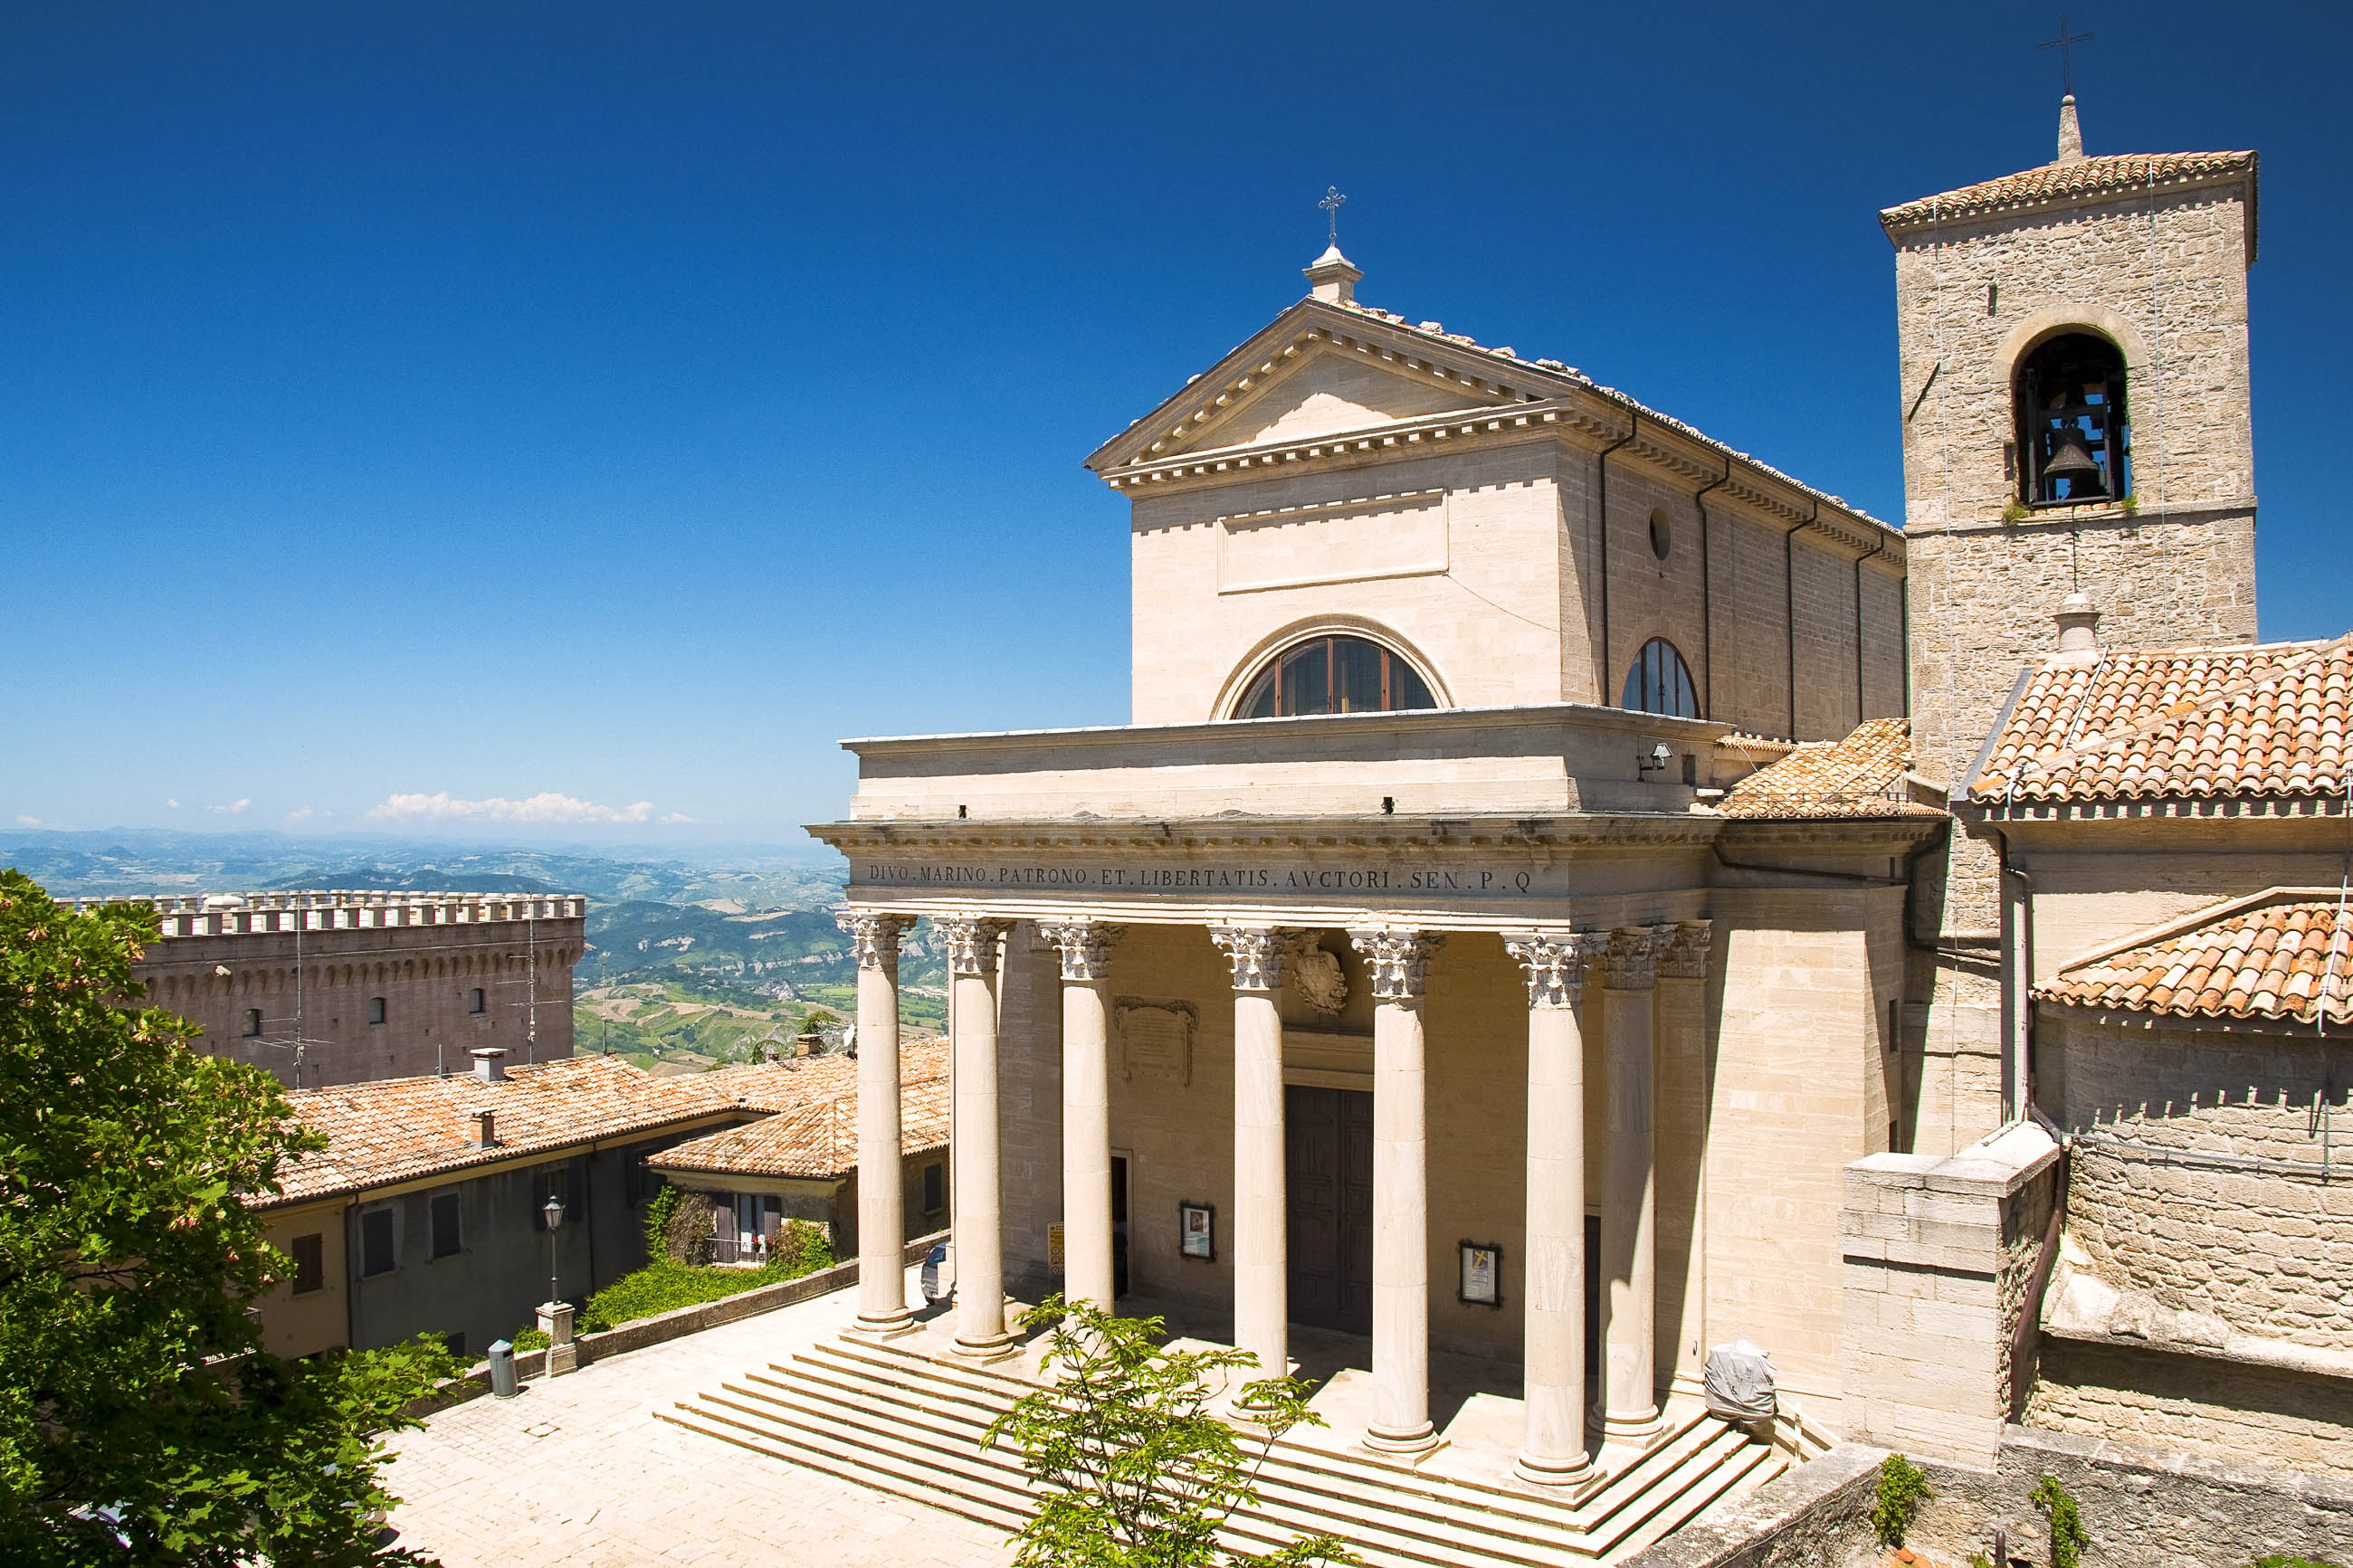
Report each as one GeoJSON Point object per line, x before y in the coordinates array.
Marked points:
{"type": "Point", "coordinates": [2074, 407]}
{"type": "Point", "coordinates": [2074, 402]}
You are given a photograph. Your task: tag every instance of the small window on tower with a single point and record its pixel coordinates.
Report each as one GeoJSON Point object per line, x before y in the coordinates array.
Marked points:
{"type": "Point", "coordinates": [252, 1022]}
{"type": "Point", "coordinates": [375, 1009]}
{"type": "Point", "coordinates": [2075, 436]}
{"type": "Point", "coordinates": [474, 1000]}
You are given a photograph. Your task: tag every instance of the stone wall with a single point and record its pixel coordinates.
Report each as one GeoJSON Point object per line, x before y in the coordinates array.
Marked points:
{"type": "Point", "coordinates": [2199, 1175]}
{"type": "Point", "coordinates": [361, 947]}
{"type": "Point", "coordinates": [2190, 1399]}
{"type": "Point", "coordinates": [1940, 1254]}
{"type": "Point", "coordinates": [2143, 1508]}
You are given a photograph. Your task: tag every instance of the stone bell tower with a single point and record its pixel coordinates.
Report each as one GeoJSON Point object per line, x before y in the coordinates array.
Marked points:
{"type": "Point", "coordinates": [2074, 407]}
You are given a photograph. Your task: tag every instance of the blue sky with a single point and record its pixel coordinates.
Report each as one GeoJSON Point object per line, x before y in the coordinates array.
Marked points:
{"type": "Point", "coordinates": [619, 404]}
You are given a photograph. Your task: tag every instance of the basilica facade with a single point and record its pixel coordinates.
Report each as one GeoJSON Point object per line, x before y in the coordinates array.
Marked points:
{"type": "Point", "coordinates": [1563, 904]}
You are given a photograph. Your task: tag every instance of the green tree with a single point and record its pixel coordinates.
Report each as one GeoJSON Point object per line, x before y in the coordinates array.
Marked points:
{"type": "Point", "coordinates": [1133, 1471]}
{"type": "Point", "coordinates": [140, 1419]}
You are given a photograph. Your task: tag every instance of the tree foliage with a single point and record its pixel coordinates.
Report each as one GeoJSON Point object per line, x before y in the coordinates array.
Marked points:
{"type": "Point", "coordinates": [140, 1419]}
{"type": "Point", "coordinates": [1133, 1471]}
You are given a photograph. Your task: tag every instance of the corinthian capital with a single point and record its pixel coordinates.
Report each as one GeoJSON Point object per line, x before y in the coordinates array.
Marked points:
{"type": "Point", "coordinates": [1399, 959]}
{"type": "Point", "coordinates": [1556, 962]}
{"type": "Point", "coordinates": [1086, 947]}
{"type": "Point", "coordinates": [1629, 959]}
{"type": "Point", "coordinates": [874, 936]}
{"type": "Point", "coordinates": [1684, 955]}
{"type": "Point", "coordinates": [971, 942]}
{"type": "Point", "coordinates": [1256, 953]}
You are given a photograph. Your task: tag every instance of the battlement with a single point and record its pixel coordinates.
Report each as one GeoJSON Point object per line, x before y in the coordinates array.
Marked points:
{"type": "Point", "coordinates": [341, 908]}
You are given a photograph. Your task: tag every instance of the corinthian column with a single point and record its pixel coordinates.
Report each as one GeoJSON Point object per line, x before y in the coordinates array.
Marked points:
{"type": "Point", "coordinates": [1085, 946]}
{"type": "Point", "coordinates": [1554, 1452]}
{"type": "Point", "coordinates": [1261, 1302]}
{"type": "Point", "coordinates": [979, 1218]}
{"type": "Point", "coordinates": [881, 1233]}
{"type": "Point", "coordinates": [1683, 1135]}
{"type": "Point", "coordinates": [1629, 1200]}
{"type": "Point", "coordinates": [1400, 1423]}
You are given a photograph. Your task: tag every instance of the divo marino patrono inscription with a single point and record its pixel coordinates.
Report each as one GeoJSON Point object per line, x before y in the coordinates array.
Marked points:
{"type": "Point", "coordinates": [1392, 879]}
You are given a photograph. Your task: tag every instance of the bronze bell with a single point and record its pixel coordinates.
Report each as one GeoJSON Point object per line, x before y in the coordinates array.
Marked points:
{"type": "Point", "coordinates": [2071, 461]}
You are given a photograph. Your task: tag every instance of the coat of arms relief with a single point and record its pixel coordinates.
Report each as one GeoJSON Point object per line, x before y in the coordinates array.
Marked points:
{"type": "Point", "coordinates": [1315, 975]}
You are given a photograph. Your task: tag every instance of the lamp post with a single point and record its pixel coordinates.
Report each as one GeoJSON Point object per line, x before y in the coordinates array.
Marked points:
{"type": "Point", "coordinates": [555, 1213]}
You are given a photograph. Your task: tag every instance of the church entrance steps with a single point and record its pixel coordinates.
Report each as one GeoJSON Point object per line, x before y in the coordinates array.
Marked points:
{"type": "Point", "coordinates": [905, 1420]}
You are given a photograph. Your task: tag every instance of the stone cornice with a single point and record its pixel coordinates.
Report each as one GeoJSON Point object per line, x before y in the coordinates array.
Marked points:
{"type": "Point", "coordinates": [1463, 834]}
{"type": "Point", "coordinates": [2186, 808]}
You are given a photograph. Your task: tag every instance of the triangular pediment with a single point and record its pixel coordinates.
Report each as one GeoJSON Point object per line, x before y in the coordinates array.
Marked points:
{"type": "Point", "coordinates": [1318, 370]}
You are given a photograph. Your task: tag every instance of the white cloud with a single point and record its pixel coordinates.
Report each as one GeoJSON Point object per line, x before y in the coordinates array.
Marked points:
{"type": "Point", "coordinates": [675, 816]}
{"type": "Point", "coordinates": [172, 804]}
{"type": "Point", "coordinates": [229, 810]}
{"type": "Point", "coordinates": [545, 806]}
{"type": "Point", "coordinates": [304, 813]}
{"type": "Point", "coordinates": [24, 821]}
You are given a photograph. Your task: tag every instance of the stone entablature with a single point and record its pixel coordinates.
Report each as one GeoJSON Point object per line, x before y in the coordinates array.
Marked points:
{"type": "Point", "coordinates": [243, 914]}
{"type": "Point", "coordinates": [1550, 761]}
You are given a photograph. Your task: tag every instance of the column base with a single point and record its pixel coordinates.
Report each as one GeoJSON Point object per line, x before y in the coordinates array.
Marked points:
{"type": "Point", "coordinates": [1632, 1425]}
{"type": "Point", "coordinates": [995, 1349]}
{"type": "Point", "coordinates": [884, 1328]}
{"type": "Point", "coordinates": [1408, 1443]}
{"type": "Point", "coordinates": [1575, 1481]}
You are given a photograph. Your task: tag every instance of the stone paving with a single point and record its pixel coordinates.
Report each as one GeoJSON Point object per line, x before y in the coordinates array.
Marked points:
{"type": "Point", "coordinates": [577, 1473]}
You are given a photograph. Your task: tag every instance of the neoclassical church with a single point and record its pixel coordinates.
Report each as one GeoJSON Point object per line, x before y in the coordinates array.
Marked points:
{"type": "Point", "coordinates": [1572, 896]}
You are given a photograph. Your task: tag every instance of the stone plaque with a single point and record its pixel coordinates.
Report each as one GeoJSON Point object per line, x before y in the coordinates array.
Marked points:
{"type": "Point", "coordinates": [1156, 1038]}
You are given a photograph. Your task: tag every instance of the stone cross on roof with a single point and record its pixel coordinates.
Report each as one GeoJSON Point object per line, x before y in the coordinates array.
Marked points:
{"type": "Point", "coordinates": [1331, 206]}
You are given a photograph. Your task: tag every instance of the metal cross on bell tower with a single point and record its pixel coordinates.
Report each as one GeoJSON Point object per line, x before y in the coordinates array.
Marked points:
{"type": "Point", "coordinates": [1331, 206]}
{"type": "Point", "coordinates": [2064, 42]}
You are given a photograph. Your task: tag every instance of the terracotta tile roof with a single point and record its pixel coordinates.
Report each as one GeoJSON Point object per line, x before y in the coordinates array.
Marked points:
{"type": "Point", "coordinates": [396, 1130]}
{"type": "Point", "coordinates": [815, 1139]}
{"type": "Point", "coordinates": [1861, 775]}
{"type": "Point", "coordinates": [778, 1086]}
{"type": "Point", "coordinates": [2053, 183]}
{"type": "Point", "coordinates": [2246, 720]}
{"type": "Point", "coordinates": [2274, 956]}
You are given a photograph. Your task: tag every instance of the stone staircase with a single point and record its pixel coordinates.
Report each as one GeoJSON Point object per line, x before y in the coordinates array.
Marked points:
{"type": "Point", "coordinates": [911, 1425]}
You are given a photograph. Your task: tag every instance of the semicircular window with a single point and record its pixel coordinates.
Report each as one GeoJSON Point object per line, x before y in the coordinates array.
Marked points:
{"type": "Point", "coordinates": [1333, 675]}
{"type": "Point", "coordinates": [1661, 682]}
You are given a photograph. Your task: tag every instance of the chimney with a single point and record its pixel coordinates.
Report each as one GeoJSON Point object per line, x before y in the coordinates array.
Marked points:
{"type": "Point", "coordinates": [486, 1129]}
{"type": "Point", "coordinates": [489, 1064]}
{"type": "Point", "coordinates": [2070, 134]}
{"type": "Point", "coordinates": [1333, 276]}
{"type": "Point", "coordinates": [2079, 636]}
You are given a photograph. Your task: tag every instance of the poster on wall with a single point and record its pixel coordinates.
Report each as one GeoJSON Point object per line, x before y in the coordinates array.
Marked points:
{"type": "Point", "coordinates": [1196, 1231]}
{"type": "Point", "coordinates": [1482, 1270]}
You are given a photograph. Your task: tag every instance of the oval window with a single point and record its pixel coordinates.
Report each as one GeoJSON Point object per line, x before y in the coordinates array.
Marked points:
{"type": "Point", "coordinates": [1333, 675]}
{"type": "Point", "coordinates": [1661, 540]}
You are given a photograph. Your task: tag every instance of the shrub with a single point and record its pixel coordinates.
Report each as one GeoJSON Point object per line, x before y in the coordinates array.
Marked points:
{"type": "Point", "coordinates": [2068, 1537]}
{"type": "Point", "coordinates": [1903, 1488]}
{"type": "Point", "coordinates": [2278, 1560]}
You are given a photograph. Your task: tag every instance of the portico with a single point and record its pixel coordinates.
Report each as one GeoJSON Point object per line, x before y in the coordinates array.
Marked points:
{"type": "Point", "coordinates": [1529, 1002]}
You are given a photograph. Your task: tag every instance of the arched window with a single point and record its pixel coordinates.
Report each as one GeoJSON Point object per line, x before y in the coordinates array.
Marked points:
{"type": "Point", "coordinates": [1661, 682]}
{"type": "Point", "coordinates": [2073, 434]}
{"type": "Point", "coordinates": [1333, 675]}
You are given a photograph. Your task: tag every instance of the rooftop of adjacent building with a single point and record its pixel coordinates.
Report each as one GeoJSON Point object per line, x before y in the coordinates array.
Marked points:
{"type": "Point", "coordinates": [819, 1139]}
{"type": "Point", "coordinates": [1867, 774]}
{"type": "Point", "coordinates": [2073, 177]}
{"type": "Point", "coordinates": [399, 1130]}
{"type": "Point", "coordinates": [2283, 954]}
{"type": "Point", "coordinates": [2239, 721]}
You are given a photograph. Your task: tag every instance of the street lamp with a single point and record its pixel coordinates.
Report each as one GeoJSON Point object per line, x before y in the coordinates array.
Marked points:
{"type": "Point", "coordinates": [555, 1213]}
